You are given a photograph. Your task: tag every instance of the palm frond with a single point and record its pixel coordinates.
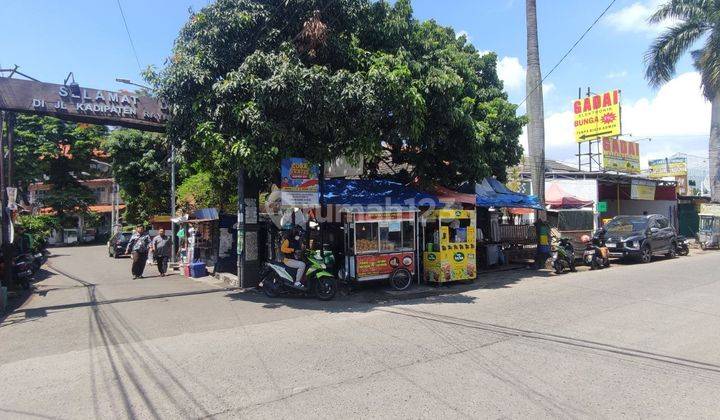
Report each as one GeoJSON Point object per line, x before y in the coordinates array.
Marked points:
{"type": "Point", "coordinates": [682, 10]}
{"type": "Point", "coordinates": [664, 53]}
{"type": "Point", "coordinates": [707, 62]}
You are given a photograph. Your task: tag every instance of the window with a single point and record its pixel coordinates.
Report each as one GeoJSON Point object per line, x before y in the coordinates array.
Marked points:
{"type": "Point", "coordinates": [366, 237]}
{"type": "Point", "coordinates": [390, 236]}
{"type": "Point", "coordinates": [408, 234]}
{"type": "Point", "coordinates": [662, 222]}
{"type": "Point", "coordinates": [99, 193]}
{"type": "Point", "coordinates": [457, 229]}
{"type": "Point", "coordinates": [40, 196]}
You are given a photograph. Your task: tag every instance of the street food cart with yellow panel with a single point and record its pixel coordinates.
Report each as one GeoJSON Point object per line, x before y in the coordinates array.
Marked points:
{"type": "Point", "coordinates": [449, 246]}
{"type": "Point", "coordinates": [380, 245]}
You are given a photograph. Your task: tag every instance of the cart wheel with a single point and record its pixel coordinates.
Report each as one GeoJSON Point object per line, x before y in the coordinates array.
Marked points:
{"type": "Point", "coordinates": [401, 279]}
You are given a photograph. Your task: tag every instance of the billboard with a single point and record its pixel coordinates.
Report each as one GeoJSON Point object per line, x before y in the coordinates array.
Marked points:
{"type": "Point", "coordinates": [300, 183]}
{"type": "Point", "coordinates": [597, 116]}
{"type": "Point", "coordinates": [668, 167]}
{"type": "Point", "coordinates": [642, 190]}
{"type": "Point", "coordinates": [621, 156]}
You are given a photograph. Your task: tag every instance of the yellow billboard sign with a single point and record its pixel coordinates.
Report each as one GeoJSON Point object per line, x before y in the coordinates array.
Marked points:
{"type": "Point", "coordinates": [621, 156]}
{"type": "Point", "coordinates": [668, 167]}
{"type": "Point", "coordinates": [597, 116]}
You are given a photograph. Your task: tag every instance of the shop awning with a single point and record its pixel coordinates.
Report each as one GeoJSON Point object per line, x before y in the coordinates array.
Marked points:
{"type": "Point", "coordinates": [448, 196]}
{"type": "Point", "coordinates": [375, 192]}
{"type": "Point", "coordinates": [557, 198]}
{"type": "Point", "coordinates": [492, 193]}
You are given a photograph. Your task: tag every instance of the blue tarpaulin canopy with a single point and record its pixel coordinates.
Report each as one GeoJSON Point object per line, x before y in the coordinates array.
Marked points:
{"type": "Point", "coordinates": [375, 192]}
{"type": "Point", "coordinates": [492, 193]}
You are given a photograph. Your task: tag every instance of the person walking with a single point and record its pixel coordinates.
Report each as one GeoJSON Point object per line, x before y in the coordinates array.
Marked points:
{"type": "Point", "coordinates": [138, 248]}
{"type": "Point", "coordinates": [161, 248]}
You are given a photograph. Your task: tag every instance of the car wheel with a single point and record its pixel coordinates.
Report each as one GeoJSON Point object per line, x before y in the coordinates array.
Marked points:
{"type": "Point", "coordinates": [645, 254]}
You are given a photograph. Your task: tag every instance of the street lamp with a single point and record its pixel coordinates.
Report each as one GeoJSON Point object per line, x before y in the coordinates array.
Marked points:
{"type": "Point", "coordinates": [130, 82]}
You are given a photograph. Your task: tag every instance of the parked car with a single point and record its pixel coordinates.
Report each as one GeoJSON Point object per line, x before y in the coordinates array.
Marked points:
{"type": "Point", "coordinates": [118, 243]}
{"type": "Point", "coordinates": [639, 237]}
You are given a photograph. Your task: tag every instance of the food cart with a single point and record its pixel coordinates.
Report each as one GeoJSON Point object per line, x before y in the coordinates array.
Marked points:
{"type": "Point", "coordinates": [709, 232]}
{"type": "Point", "coordinates": [449, 246]}
{"type": "Point", "coordinates": [380, 245]}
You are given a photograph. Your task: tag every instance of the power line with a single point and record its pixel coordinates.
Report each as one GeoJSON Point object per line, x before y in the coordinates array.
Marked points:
{"type": "Point", "coordinates": [569, 51]}
{"type": "Point", "coordinates": [132, 44]}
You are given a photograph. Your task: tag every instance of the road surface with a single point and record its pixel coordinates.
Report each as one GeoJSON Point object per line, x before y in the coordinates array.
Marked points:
{"type": "Point", "coordinates": [634, 340]}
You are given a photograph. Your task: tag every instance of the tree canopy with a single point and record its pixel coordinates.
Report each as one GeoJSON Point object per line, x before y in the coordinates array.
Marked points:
{"type": "Point", "coordinates": [59, 153]}
{"type": "Point", "coordinates": [253, 81]}
{"type": "Point", "coordinates": [141, 169]}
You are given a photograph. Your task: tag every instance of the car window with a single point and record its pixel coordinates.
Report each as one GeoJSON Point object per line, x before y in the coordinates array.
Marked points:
{"type": "Point", "coordinates": [627, 224]}
{"type": "Point", "coordinates": [662, 222]}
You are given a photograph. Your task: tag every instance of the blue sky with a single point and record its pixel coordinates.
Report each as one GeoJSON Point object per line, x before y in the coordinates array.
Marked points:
{"type": "Point", "coordinates": [49, 38]}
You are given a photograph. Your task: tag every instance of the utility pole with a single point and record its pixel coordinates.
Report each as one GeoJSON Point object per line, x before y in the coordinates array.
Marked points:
{"type": "Point", "coordinates": [535, 108]}
{"type": "Point", "coordinates": [172, 200]}
{"type": "Point", "coordinates": [241, 228]}
{"type": "Point", "coordinates": [4, 183]}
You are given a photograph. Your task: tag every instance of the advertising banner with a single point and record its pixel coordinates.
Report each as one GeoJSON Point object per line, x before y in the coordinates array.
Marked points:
{"type": "Point", "coordinates": [642, 190]}
{"type": "Point", "coordinates": [621, 156]}
{"type": "Point", "coordinates": [597, 116]}
{"type": "Point", "coordinates": [668, 167]}
{"type": "Point", "coordinates": [372, 265]}
{"type": "Point", "coordinates": [300, 184]}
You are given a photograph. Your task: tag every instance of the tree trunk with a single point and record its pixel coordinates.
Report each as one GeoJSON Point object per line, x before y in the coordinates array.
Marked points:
{"type": "Point", "coordinates": [535, 109]}
{"type": "Point", "coordinates": [714, 150]}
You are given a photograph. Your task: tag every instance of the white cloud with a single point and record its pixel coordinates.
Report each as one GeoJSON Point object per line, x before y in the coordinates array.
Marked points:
{"type": "Point", "coordinates": [677, 117]}
{"type": "Point", "coordinates": [512, 73]}
{"type": "Point", "coordinates": [617, 74]}
{"type": "Point", "coordinates": [634, 18]}
{"type": "Point", "coordinates": [464, 33]}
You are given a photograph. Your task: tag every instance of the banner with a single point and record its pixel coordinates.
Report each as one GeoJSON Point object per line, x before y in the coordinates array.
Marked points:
{"type": "Point", "coordinates": [300, 184]}
{"type": "Point", "coordinates": [597, 116]}
{"type": "Point", "coordinates": [372, 265]}
{"type": "Point", "coordinates": [621, 156]}
{"type": "Point", "coordinates": [642, 190]}
{"type": "Point", "coordinates": [668, 167]}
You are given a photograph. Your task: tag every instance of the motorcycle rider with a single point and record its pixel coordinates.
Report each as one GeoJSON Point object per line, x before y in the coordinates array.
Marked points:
{"type": "Point", "coordinates": [290, 245]}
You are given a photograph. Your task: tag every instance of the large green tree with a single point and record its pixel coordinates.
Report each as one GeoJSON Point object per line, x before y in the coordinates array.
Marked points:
{"type": "Point", "coordinates": [142, 171]}
{"type": "Point", "coordinates": [694, 21]}
{"type": "Point", "coordinates": [253, 81]}
{"type": "Point", "coordinates": [59, 153]}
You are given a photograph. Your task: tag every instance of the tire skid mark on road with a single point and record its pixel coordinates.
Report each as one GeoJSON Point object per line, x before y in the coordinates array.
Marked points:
{"type": "Point", "coordinates": [113, 329]}
{"type": "Point", "coordinates": [558, 339]}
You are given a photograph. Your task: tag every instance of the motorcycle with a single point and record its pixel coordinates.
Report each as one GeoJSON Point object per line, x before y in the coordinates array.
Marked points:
{"type": "Point", "coordinates": [682, 246]}
{"type": "Point", "coordinates": [277, 278]}
{"type": "Point", "coordinates": [21, 270]}
{"type": "Point", "coordinates": [564, 256]}
{"type": "Point", "coordinates": [596, 255]}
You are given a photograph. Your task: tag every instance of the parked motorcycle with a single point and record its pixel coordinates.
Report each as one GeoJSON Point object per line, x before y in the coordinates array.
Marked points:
{"type": "Point", "coordinates": [682, 246]}
{"type": "Point", "coordinates": [564, 256]}
{"type": "Point", "coordinates": [278, 279]}
{"type": "Point", "coordinates": [21, 270]}
{"type": "Point", "coordinates": [596, 255]}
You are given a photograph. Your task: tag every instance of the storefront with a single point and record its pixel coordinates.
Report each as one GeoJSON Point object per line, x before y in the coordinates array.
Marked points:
{"type": "Point", "coordinates": [449, 246]}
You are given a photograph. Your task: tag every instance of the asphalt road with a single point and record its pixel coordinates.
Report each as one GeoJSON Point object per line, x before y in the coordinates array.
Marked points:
{"type": "Point", "coordinates": [631, 341]}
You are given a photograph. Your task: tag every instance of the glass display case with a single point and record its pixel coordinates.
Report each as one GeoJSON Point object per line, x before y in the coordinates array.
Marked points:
{"type": "Point", "coordinates": [379, 243]}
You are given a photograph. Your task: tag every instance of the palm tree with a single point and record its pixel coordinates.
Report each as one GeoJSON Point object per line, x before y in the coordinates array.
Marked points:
{"type": "Point", "coordinates": [695, 20]}
{"type": "Point", "coordinates": [535, 111]}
